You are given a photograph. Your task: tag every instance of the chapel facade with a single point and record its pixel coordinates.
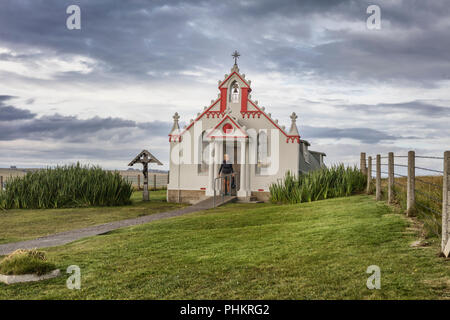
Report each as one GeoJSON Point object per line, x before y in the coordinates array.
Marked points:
{"type": "Point", "coordinates": [261, 150]}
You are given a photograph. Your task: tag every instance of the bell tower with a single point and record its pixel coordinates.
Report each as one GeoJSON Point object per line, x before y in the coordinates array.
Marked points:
{"type": "Point", "coordinates": [234, 89]}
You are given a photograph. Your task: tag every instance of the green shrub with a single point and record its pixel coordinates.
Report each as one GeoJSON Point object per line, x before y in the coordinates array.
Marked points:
{"type": "Point", "coordinates": [66, 186]}
{"type": "Point", "coordinates": [324, 183]}
{"type": "Point", "coordinates": [26, 262]}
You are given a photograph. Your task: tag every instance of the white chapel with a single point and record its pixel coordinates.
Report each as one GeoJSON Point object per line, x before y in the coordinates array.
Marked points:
{"type": "Point", "coordinates": [235, 127]}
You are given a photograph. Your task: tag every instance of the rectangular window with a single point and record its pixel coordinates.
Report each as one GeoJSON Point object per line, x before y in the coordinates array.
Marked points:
{"type": "Point", "coordinates": [306, 153]}
{"type": "Point", "coordinates": [203, 152]}
{"type": "Point", "coordinates": [263, 159]}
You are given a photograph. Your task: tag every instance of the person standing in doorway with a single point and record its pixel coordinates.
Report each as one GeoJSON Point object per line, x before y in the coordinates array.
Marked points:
{"type": "Point", "coordinates": [226, 168]}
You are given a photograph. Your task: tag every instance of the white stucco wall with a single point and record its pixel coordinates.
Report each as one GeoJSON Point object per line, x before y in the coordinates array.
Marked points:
{"type": "Point", "coordinates": [285, 156]}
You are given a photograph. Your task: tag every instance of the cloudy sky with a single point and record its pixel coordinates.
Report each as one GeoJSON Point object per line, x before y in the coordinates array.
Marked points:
{"type": "Point", "coordinates": [103, 93]}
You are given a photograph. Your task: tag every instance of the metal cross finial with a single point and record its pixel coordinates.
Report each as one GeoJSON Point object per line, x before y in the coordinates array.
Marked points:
{"type": "Point", "coordinates": [235, 55]}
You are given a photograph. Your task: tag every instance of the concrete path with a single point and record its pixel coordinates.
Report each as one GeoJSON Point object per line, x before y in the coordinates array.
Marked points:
{"type": "Point", "coordinates": [72, 235]}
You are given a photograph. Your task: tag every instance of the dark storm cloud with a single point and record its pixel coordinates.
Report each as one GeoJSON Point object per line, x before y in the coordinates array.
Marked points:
{"type": "Point", "coordinates": [365, 135]}
{"type": "Point", "coordinates": [8, 113]}
{"type": "Point", "coordinates": [87, 152]}
{"type": "Point", "coordinates": [139, 37]}
{"type": "Point", "coordinates": [69, 138]}
{"type": "Point", "coordinates": [70, 128]}
{"type": "Point", "coordinates": [411, 46]}
{"type": "Point", "coordinates": [419, 57]}
{"type": "Point", "coordinates": [411, 108]}
{"type": "Point", "coordinates": [4, 98]}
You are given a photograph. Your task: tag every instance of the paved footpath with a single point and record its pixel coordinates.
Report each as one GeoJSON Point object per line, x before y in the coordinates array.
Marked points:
{"type": "Point", "coordinates": [72, 235]}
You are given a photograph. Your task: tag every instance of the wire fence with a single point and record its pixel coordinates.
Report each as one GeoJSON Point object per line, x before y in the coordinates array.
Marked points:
{"type": "Point", "coordinates": [155, 181]}
{"type": "Point", "coordinates": [417, 184]}
{"type": "Point", "coordinates": [5, 178]}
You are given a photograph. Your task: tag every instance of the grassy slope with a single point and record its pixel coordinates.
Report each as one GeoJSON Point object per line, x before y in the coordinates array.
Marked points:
{"type": "Point", "coordinates": [17, 225]}
{"type": "Point", "coordinates": [307, 251]}
{"type": "Point", "coordinates": [432, 221]}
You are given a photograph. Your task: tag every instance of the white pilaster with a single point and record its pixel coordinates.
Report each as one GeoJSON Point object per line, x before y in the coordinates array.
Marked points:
{"type": "Point", "coordinates": [216, 162]}
{"type": "Point", "coordinates": [220, 145]}
{"type": "Point", "coordinates": [209, 188]}
{"type": "Point", "coordinates": [243, 190]}
{"type": "Point", "coordinates": [249, 170]}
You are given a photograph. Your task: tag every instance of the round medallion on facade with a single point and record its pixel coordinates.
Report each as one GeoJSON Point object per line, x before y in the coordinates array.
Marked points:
{"type": "Point", "coordinates": [227, 128]}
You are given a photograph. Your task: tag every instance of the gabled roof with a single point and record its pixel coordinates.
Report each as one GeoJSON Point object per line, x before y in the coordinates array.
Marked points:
{"type": "Point", "coordinates": [321, 153]}
{"type": "Point", "coordinates": [216, 132]}
{"type": "Point", "coordinates": [238, 75]}
{"type": "Point", "coordinates": [305, 142]}
{"type": "Point", "coordinates": [270, 119]}
{"type": "Point", "coordinates": [292, 135]}
{"type": "Point", "coordinates": [196, 119]}
{"type": "Point", "coordinates": [251, 102]}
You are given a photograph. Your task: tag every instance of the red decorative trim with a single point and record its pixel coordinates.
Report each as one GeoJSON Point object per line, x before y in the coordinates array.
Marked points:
{"type": "Point", "coordinates": [228, 137]}
{"type": "Point", "coordinates": [260, 190]}
{"type": "Point", "coordinates": [198, 118]}
{"type": "Point", "coordinates": [214, 114]}
{"type": "Point", "coordinates": [244, 99]}
{"type": "Point", "coordinates": [221, 114]}
{"type": "Point", "coordinates": [218, 125]}
{"type": "Point", "coordinates": [203, 189]}
{"type": "Point", "coordinates": [268, 118]}
{"type": "Point", "coordinates": [220, 85]}
{"type": "Point", "coordinates": [293, 139]}
{"type": "Point", "coordinates": [174, 138]}
{"type": "Point", "coordinates": [251, 114]}
{"type": "Point", "coordinates": [223, 99]}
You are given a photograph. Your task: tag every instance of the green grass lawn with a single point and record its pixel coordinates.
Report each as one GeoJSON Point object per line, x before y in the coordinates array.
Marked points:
{"type": "Point", "coordinates": [17, 225]}
{"type": "Point", "coordinates": [317, 250]}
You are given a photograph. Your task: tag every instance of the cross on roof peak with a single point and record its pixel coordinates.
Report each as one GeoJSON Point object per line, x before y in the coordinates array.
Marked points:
{"type": "Point", "coordinates": [235, 55]}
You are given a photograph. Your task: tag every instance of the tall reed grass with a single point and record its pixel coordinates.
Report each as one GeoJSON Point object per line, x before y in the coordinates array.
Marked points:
{"type": "Point", "coordinates": [66, 186]}
{"type": "Point", "coordinates": [324, 183]}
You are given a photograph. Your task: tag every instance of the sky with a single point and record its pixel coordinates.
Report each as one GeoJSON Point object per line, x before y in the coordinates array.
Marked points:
{"type": "Point", "coordinates": [101, 94]}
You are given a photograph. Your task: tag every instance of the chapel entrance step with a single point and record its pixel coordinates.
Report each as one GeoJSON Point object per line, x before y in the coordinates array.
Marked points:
{"type": "Point", "coordinates": [208, 202]}
{"type": "Point", "coordinates": [251, 199]}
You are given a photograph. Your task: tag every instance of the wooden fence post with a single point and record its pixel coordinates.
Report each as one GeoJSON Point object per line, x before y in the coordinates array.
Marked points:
{"type": "Point", "coordinates": [369, 173]}
{"type": "Point", "coordinates": [154, 182]}
{"type": "Point", "coordinates": [411, 185]}
{"type": "Point", "coordinates": [391, 177]}
{"type": "Point", "coordinates": [446, 205]}
{"type": "Point", "coordinates": [378, 178]}
{"type": "Point", "coordinates": [362, 163]}
{"type": "Point", "coordinates": [139, 181]}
